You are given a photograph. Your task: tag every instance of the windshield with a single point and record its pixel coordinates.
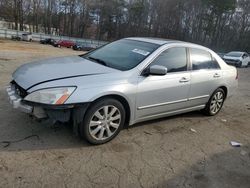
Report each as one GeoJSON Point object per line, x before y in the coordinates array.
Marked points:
{"type": "Point", "coordinates": [123, 54]}
{"type": "Point", "coordinates": [235, 54]}
{"type": "Point", "coordinates": [80, 43]}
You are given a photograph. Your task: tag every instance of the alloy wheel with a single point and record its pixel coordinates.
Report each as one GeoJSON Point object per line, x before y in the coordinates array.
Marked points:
{"type": "Point", "coordinates": [217, 102]}
{"type": "Point", "coordinates": [105, 122]}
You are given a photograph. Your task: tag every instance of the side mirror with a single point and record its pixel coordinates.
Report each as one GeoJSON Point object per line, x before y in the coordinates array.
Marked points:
{"type": "Point", "coordinates": [156, 70]}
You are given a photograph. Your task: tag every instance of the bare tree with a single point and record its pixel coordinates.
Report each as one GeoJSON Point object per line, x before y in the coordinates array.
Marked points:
{"type": "Point", "coordinates": [220, 24]}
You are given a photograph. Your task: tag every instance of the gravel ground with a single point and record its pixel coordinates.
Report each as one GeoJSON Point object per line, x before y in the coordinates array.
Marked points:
{"type": "Point", "coordinates": [160, 153]}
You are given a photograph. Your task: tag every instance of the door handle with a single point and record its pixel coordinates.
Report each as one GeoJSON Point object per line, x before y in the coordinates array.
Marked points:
{"type": "Point", "coordinates": [184, 80]}
{"type": "Point", "coordinates": [216, 75]}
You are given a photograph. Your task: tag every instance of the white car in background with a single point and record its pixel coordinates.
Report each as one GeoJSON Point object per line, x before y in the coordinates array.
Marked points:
{"type": "Point", "coordinates": [238, 59]}
{"type": "Point", "coordinates": [27, 37]}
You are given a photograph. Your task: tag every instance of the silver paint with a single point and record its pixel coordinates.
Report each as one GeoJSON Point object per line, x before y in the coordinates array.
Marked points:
{"type": "Point", "coordinates": [148, 97]}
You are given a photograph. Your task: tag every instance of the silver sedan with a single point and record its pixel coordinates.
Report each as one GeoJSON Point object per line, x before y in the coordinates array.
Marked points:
{"type": "Point", "coordinates": [124, 82]}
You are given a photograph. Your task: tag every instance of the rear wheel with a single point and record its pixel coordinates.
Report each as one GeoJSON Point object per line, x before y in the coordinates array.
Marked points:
{"type": "Point", "coordinates": [103, 121]}
{"type": "Point", "coordinates": [215, 103]}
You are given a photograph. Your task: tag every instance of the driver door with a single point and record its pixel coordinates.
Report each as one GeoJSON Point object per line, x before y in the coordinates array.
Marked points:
{"type": "Point", "coordinates": [159, 95]}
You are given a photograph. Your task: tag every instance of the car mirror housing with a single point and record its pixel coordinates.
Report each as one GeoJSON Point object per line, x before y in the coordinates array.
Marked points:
{"type": "Point", "coordinates": [157, 70]}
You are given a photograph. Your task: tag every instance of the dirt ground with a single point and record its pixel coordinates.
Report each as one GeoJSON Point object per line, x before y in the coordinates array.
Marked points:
{"type": "Point", "coordinates": [160, 153]}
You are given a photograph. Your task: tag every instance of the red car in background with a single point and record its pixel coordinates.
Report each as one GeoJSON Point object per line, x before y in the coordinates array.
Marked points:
{"type": "Point", "coordinates": [64, 43]}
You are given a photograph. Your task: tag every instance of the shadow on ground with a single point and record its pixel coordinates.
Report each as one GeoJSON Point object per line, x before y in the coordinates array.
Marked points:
{"type": "Point", "coordinates": [193, 115]}
{"type": "Point", "coordinates": [20, 132]}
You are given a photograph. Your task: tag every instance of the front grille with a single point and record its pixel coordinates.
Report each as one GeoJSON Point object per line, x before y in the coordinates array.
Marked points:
{"type": "Point", "coordinates": [231, 61]}
{"type": "Point", "coordinates": [19, 90]}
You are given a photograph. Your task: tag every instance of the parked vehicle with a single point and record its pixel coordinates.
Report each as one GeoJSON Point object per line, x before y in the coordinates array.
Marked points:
{"type": "Point", "coordinates": [27, 37]}
{"type": "Point", "coordinates": [48, 41]}
{"type": "Point", "coordinates": [64, 43]}
{"type": "Point", "coordinates": [125, 82]}
{"type": "Point", "coordinates": [15, 37]}
{"type": "Point", "coordinates": [82, 46]}
{"type": "Point", "coordinates": [238, 59]}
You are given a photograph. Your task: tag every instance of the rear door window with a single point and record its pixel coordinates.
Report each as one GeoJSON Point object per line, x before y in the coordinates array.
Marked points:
{"type": "Point", "coordinates": [202, 59]}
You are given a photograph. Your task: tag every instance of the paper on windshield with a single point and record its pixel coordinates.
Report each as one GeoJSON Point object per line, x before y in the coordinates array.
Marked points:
{"type": "Point", "coordinates": [141, 52]}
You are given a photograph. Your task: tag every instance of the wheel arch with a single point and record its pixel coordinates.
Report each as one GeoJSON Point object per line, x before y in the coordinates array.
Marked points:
{"type": "Point", "coordinates": [225, 90]}
{"type": "Point", "coordinates": [207, 110]}
{"type": "Point", "coordinates": [122, 100]}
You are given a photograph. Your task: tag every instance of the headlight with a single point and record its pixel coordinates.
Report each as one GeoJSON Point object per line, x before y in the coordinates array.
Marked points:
{"type": "Point", "coordinates": [55, 96]}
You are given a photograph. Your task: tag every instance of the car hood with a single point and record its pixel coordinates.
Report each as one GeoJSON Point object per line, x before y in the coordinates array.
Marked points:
{"type": "Point", "coordinates": [232, 58]}
{"type": "Point", "coordinates": [38, 72]}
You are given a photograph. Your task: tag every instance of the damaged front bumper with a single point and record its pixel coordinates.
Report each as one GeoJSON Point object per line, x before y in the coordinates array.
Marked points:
{"type": "Point", "coordinates": [57, 113]}
{"type": "Point", "coordinates": [60, 113]}
{"type": "Point", "coordinates": [16, 101]}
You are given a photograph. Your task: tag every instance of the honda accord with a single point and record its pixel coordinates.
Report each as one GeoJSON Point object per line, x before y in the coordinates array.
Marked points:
{"type": "Point", "coordinates": [122, 83]}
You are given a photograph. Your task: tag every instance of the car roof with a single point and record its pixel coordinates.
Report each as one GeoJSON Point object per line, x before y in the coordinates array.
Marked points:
{"type": "Point", "coordinates": [161, 42]}
{"type": "Point", "coordinates": [158, 41]}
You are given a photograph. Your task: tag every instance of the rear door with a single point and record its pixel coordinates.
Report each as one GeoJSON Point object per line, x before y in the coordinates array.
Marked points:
{"type": "Point", "coordinates": [206, 76]}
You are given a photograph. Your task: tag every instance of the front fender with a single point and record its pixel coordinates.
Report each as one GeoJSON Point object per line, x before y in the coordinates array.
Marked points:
{"type": "Point", "coordinates": [83, 95]}
{"type": "Point", "coordinates": [127, 91]}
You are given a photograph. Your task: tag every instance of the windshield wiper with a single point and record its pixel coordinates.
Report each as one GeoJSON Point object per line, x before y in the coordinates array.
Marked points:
{"type": "Point", "coordinates": [98, 61]}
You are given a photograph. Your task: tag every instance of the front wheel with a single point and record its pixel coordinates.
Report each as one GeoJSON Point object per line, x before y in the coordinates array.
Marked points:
{"type": "Point", "coordinates": [215, 103]}
{"type": "Point", "coordinates": [103, 121]}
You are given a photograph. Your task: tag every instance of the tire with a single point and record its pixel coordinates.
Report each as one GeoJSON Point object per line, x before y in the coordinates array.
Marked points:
{"type": "Point", "coordinates": [215, 103]}
{"type": "Point", "coordinates": [104, 126]}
